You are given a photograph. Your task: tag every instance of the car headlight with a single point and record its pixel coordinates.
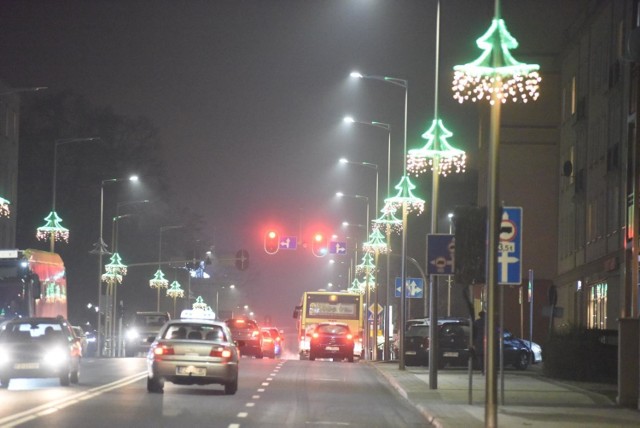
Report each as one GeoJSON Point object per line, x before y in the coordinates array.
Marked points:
{"type": "Point", "coordinates": [55, 356]}
{"type": "Point", "coordinates": [5, 359]}
{"type": "Point", "coordinates": [132, 334]}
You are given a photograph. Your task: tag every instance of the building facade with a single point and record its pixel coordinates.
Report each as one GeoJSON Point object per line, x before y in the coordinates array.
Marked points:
{"type": "Point", "coordinates": [9, 133]}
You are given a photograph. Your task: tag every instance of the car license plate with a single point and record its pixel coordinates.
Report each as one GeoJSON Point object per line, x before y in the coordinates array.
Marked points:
{"type": "Point", "coordinates": [410, 353]}
{"type": "Point", "coordinates": [26, 366]}
{"type": "Point", "coordinates": [191, 371]}
{"type": "Point", "coordinates": [450, 354]}
{"type": "Point", "coordinates": [332, 348]}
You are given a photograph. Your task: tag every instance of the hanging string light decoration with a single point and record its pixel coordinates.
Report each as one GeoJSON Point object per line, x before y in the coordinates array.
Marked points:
{"type": "Point", "coordinates": [405, 196]}
{"type": "Point", "coordinates": [4, 207]}
{"type": "Point", "coordinates": [510, 79]}
{"type": "Point", "coordinates": [375, 244]}
{"type": "Point", "coordinates": [387, 220]}
{"type": "Point", "coordinates": [175, 291]}
{"type": "Point", "coordinates": [158, 281]}
{"type": "Point", "coordinates": [199, 304]}
{"type": "Point", "coordinates": [437, 151]}
{"type": "Point", "coordinates": [115, 270]}
{"type": "Point", "coordinates": [52, 227]}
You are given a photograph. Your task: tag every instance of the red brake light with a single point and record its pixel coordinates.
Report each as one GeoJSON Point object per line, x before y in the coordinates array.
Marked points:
{"type": "Point", "coordinates": [255, 333]}
{"type": "Point", "coordinates": [221, 352]}
{"type": "Point", "coordinates": [163, 349]}
{"type": "Point", "coordinates": [315, 335]}
{"type": "Point", "coordinates": [350, 336]}
{"type": "Point", "coordinates": [267, 339]}
{"type": "Point", "coordinates": [278, 339]}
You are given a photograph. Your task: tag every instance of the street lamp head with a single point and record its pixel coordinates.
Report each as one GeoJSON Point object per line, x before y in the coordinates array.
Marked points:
{"type": "Point", "coordinates": [343, 160]}
{"type": "Point", "coordinates": [345, 223]}
{"type": "Point", "coordinates": [134, 178]}
{"type": "Point", "coordinates": [356, 74]}
{"type": "Point", "coordinates": [339, 194]}
{"type": "Point", "coordinates": [348, 119]}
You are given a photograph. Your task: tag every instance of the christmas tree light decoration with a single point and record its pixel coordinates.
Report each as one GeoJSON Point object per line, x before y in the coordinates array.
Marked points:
{"type": "Point", "coordinates": [406, 197]}
{"type": "Point", "coordinates": [438, 152]}
{"type": "Point", "coordinates": [4, 207]}
{"type": "Point", "coordinates": [356, 287]}
{"type": "Point", "coordinates": [175, 291]}
{"type": "Point", "coordinates": [367, 265]}
{"type": "Point", "coordinates": [199, 304]}
{"type": "Point", "coordinates": [53, 228]}
{"type": "Point", "coordinates": [508, 78]}
{"type": "Point", "coordinates": [387, 220]}
{"type": "Point", "coordinates": [158, 281]}
{"type": "Point", "coordinates": [376, 243]}
{"type": "Point", "coordinates": [115, 270]}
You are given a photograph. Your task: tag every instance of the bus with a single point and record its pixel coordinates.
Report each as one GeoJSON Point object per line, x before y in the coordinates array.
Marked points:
{"type": "Point", "coordinates": [33, 283]}
{"type": "Point", "coordinates": [326, 306]}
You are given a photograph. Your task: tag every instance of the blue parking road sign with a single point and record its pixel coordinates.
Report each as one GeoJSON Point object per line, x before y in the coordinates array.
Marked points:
{"type": "Point", "coordinates": [510, 247]}
{"type": "Point", "coordinates": [288, 243]}
{"type": "Point", "coordinates": [414, 288]}
{"type": "Point", "coordinates": [441, 254]}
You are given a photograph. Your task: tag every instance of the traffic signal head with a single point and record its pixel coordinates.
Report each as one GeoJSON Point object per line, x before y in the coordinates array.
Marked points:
{"type": "Point", "coordinates": [319, 245]}
{"type": "Point", "coordinates": [271, 242]}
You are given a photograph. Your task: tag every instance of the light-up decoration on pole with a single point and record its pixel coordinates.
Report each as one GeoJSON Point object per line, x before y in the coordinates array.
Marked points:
{"type": "Point", "coordinates": [387, 220]}
{"type": "Point", "coordinates": [437, 154]}
{"type": "Point", "coordinates": [175, 292]}
{"type": "Point", "coordinates": [199, 304]}
{"type": "Point", "coordinates": [4, 207]}
{"type": "Point", "coordinates": [158, 282]}
{"type": "Point", "coordinates": [405, 197]}
{"type": "Point", "coordinates": [495, 77]}
{"type": "Point", "coordinates": [377, 245]}
{"type": "Point", "coordinates": [52, 229]}
{"type": "Point", "coordinates": [114, 271]}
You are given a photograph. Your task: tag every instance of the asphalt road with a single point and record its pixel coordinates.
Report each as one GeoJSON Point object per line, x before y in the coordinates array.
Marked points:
{"type": "Point", "coordinates": [280, 392]}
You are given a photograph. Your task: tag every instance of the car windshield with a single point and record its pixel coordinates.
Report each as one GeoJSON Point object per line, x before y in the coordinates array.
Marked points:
{"type": "Point", "coordinates": [241, 324]}
{"type": "Point", "coordinates": [418, 330]}
{"type": "Point", "coordinates": [338, 330]}
{"type": "Point", "coordinates": [26, 331]}
{"type": "Point", "coordinates": [194, 331]}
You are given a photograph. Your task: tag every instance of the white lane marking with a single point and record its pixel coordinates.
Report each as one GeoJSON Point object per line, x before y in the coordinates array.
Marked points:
{"type": "Point", "coordinates": [48, 408]}
{"type": "Point", "coordinates": [265, 383]}
{"type": "Point", "coordinates": [260, 389]}
{"type": "Point", "coordinates": [250, 404]}
{"type": "Point", "coordinates": [242, 415]}
{"type": "Point", "coordinates": [342, 424]}
{"type": "Point", "coordinates": [255, 397]}
{"type": "Point", "coordinates": [234, 426]}
{"type": "Point", "coordinates": [269, 378]}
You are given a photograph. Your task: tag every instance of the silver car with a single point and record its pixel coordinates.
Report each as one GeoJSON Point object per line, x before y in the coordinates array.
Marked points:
{"type": "Point", "coordinates": [193, 351]}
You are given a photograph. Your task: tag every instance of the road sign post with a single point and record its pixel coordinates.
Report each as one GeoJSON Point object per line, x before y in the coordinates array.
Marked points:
{"type": "Point", "coordinates": [510, 247]}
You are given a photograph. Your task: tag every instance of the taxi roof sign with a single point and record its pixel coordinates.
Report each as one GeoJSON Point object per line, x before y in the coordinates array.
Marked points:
{"type": "Point", "coordinates": [198, 314]}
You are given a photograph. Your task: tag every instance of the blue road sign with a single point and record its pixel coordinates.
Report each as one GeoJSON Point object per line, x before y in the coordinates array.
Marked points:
{"type": "Point", "coordinates": [441, 254]}
{"type": "Point", "coordinates": [510, 246]}
{"type": "Point", "coordinates": [336, 247]}
{"type": "Point", "coordinates": [414, 288]}
{"type": "Point", "coordinates": [288, 243]}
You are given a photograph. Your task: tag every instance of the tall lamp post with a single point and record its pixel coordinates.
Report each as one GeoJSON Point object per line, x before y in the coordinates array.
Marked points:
{"type": "Point", "coordinates": [100, 248]}
{"type": "Point", "coordinates": [441, 158]}
{"type": "Point", "coordinates": [403, 199]}
{"type": "Point", "coordinates": [53, 230]}
{"type": "Point", "coordinates": [496, 77]}
{"type": "Point", "coordinates": [377, 245]}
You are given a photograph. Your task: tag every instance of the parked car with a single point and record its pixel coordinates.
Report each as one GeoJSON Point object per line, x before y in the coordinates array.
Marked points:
{"type": "Point", "coordinates": [246, 334]}
{"type": "Point", "coordinates": [331, 340]}
{"type": "Point", "coordinates": [39, 348]}
{"type": "Point", "coordinates": [141, 327]}
{"type": "Point", "coordinates": [193, 350]}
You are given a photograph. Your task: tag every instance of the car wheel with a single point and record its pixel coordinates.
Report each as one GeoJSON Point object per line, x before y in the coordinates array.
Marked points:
{"type": "Point", "coordinates": [260, 356]}
{"type": "Point", "coordinates": [312, 357]}
{"type": "Point", "coordinates": [155, 385]}
{"type": "Point", "coordinates": [522, 361]}
{"type": "Point", "coordinates": [65, 378]}
{"type": "Point", "coordinates": [350, 358]}
{"type": "Point", "coordinates": [4, 382]}
{"type": "Point", "coordinates": [231, 387]}
{"type": "Point", "coordinates": [74, 377]}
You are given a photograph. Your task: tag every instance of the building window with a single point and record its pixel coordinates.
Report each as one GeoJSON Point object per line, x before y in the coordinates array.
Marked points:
{"type": "Point", "coordinates": [597, 306]}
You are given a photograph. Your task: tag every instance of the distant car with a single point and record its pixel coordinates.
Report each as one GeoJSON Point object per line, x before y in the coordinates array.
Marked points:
{"type": "Point", "coordinates": [143, 326]}
{"type": "Point", "coordinates": [517, 352]}
{"type": "Point", "coordinates": [80, 334]}
{"type": "Point", "coordinates": [278, 337]}
{"type": "Point", "coordinates": [331, 340]}
{"type": "Point", "coordinates": [268, 344]}
{"type": "Point", "coordinates": [39, 348]}
{"type": "Point", "coordinates": [193, 350]}
{"type": "Point", "coordinates": [246, 335]}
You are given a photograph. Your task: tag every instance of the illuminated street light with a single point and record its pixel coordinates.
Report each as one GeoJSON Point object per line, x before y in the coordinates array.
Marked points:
{"type": "Point", "coordinates": [53, 230]}
{"type": "Point", "coordinates": [495, 77]}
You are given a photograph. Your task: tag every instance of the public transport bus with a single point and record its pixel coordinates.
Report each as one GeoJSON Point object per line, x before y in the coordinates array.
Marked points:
{"type": "Point", "coordinates": [33, 283]}
{"type": "Point", "coordinates": [326, 306]}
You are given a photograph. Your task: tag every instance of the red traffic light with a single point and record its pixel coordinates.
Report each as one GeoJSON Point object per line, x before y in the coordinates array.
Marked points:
{"type": "Point", "coordinates": [271, 242]}
{"type": "Point", "coordinates": [319, 245]}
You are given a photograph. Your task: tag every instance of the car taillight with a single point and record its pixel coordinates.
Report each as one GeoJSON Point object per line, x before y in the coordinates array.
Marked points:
{"type": "Point", "coordinates": [163, 349]}
{"type": "Point", "coordinates": [220, 352]}
{"type": "Point", "coordinates": [315, 335]}
{"type": "Point", "coordinates": [255, 333]}
{"type": "Point", "coordinates": [278, 339]}
{"type": "Point", "coordinates": [267, 339]}
{"type": "Point", "coordinates": [349, 337]}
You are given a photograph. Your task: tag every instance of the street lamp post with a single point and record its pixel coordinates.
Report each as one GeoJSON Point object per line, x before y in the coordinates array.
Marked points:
{"type": "Point", "coordinates": [100, 248]}
{"type": "Point", "coordinates": [53, 229]}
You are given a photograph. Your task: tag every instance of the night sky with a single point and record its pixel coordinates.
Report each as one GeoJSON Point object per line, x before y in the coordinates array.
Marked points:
{"type": "Point", "coordinates": [249, 98]}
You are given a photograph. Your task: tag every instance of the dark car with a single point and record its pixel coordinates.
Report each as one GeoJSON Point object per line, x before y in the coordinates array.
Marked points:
{"type": "Point", "coordinates": [331, 340]}
{"type": "Point", "coordinates": [453, 340]}
{"type": "Point", "coordinates": [143, 326]}
{"type": "Point", "coordinates": [268, 344]}
{"type": "Point", "coordinates": [39, 348]}
{"type": "Point", "coordinates": [246, 334]}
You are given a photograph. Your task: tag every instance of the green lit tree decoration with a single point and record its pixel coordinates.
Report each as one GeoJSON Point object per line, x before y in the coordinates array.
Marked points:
{"type": "Point", "coordinates": [376, 243]}
{"type": "Point", "coordinates": [387, 220]}
{"type": "Point", "coordinates": [405, 197]}
{"type": "Point", "coordinates": [199, 304]}
{"type": "Point", "coordinates": [4, 207]}
{"type": "Point", "coordinates": [158, 282]}
{"type": "Point", "coordinates": [115, 270]}
{"type": "Point", "coordinates": [52, 229]}
{"type": "Point", "coordinates": [496, 70]}
{"type": "Point", "coordinates": [437, 152]}
{"type": "Point", "coordinates": [175, 291]}
{"type": "Point", "coordinates": [355, 288]}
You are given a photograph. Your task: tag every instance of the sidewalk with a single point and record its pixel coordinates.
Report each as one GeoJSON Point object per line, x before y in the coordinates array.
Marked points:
{"type": "Point", "coordinates": [529, 399]}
